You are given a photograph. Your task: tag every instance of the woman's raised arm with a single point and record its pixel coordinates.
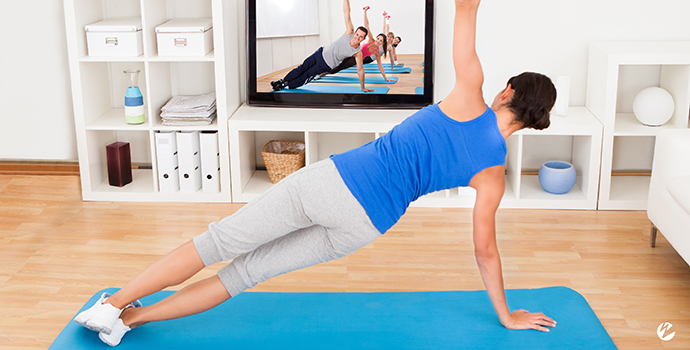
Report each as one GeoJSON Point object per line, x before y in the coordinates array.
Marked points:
{"type": "Point", "coordinates": [466, 100]}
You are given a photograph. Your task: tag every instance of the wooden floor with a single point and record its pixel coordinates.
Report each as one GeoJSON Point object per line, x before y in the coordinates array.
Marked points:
{"type": "Point", "coordinates": [406, 83]}
{"type": "Point", "coordinates": [57, 251]}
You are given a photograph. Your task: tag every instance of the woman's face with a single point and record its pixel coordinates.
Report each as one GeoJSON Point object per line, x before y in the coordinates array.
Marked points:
{"type": "Point", "coordinates": [390, 38]}
{"type": "Point", "coordinates": [396, 41]}
{"type": "Point", "coordinates": [379, 40]}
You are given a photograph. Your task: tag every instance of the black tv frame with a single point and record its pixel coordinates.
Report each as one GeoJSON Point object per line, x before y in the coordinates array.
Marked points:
{"type": "Point", "coordinates": [318, 100]}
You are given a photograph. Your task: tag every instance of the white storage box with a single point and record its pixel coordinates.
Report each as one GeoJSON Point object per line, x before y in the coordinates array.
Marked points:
{"type": "Point", "coordinates": [115, 37]}
{"type": "Point", "coordinates": [185, 37]}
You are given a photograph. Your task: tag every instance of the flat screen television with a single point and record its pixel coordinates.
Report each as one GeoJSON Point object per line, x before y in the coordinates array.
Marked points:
{"type": "Point", "coordinates": [282, 33]}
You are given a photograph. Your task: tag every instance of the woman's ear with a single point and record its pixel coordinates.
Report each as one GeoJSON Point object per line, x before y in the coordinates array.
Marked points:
{"type": "Point", "coordinates": [507, 93]}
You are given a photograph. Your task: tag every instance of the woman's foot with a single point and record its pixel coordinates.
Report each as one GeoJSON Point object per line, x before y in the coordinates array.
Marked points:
{"type": "Point", "coordinates": [119, 328]}
{"type": "Point", "coordinates": [100, 317]}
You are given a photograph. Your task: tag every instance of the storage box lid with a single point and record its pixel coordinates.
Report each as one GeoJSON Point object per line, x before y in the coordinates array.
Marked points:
{"type": "Point", "coordinates": [125, 24]}
{"type": "Point", "coordinates": [185, 25]}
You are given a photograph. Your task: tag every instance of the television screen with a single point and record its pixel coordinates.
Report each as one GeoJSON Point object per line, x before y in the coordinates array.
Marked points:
{"type": "Point", "coordinates": [283, 35]}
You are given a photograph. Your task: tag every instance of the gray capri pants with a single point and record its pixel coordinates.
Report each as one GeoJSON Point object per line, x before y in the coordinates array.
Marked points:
{"type": "Point", "coordinates": [308, 218]}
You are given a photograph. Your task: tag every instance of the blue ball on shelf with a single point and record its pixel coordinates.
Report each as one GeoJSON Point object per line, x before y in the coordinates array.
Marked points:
{"type": "Point", "coordinates": [557, 177]}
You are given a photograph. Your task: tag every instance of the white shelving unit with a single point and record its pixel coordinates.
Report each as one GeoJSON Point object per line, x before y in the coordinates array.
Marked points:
{"type": "Point", "coordinates": [325, 132]}
{"type": "Point", "coordinates": [611, 63]}
{"type": "Point", "coordinates": [99, 84]}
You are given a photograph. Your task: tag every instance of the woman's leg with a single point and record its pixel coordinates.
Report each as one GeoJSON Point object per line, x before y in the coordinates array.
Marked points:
{"type": "Point", "coordinates": [193, 299]}
{"type": "Point", "coordinates": [274, 214]}
{"type": "Point", "coordinates": [302, 248]}
{"type": "Point", "coordinates": [172, 269]}
{"type": "Point", "coordinates": [337, 226]}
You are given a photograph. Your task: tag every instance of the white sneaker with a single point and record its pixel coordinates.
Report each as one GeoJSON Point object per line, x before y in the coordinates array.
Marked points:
{"type": "Point", "coordinates": [114, 338]}
{"type": "Point", "coordinates": [100, 317]}
{"type": "Point", "coordinates": [119, 329]}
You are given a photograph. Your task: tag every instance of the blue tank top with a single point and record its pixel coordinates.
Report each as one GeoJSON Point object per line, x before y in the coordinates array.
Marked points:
{"type": "Point", "coordinates": [425, 153]}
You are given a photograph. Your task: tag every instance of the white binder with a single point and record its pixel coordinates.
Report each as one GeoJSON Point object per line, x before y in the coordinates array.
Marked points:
{"type": "Point", "coordinates": [166, 153]}
{"type": "Point", "coordinates": [210, 162]}
{"type": "Point", "coordinates": [189, 160]}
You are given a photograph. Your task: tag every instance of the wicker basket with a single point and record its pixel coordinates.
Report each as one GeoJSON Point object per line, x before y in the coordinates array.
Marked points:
{"type": "Point", "coordinates": [282, 158]}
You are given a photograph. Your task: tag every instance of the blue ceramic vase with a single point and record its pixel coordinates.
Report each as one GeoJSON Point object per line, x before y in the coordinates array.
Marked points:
{"type": "Point", "coordinates": [557, 177]}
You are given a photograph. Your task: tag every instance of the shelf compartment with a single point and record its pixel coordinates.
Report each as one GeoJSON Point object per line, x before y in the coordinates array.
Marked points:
{"type": "Point", "coordinates": [103, 92]}
{"type": "Point", "coordinates": [157, 12]}
{"type": "Point", "coordinates": [88, 12]}
{"type": "Point", "coordinates": [97, 174]}
{"type": "Point", "coordinates": [640, 159]}
{"type": "Point", "coordinates": [178, 79]}
{"type": "Point", "coordinates": [528, 152]}
{"type": "Point", "coordinates": [628, 193]}
{"type": "Point", "coordinates": [633, 78]}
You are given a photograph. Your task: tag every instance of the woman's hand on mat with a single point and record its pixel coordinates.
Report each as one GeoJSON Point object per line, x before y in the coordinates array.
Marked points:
{"type": "Point", "coordinates": [368, 90]}
{"type": "Point", "coordinates": [523, 319]}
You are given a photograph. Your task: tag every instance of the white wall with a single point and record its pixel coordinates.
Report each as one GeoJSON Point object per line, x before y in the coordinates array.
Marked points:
{"type": "Point", "coordinates": [36, 120]}
{"type": "Point", "coordinates": [274, 54]}
{"type": "Point", "coordinates": [552, 36]}
{"type": "Point", "coordinates": [549, 36]}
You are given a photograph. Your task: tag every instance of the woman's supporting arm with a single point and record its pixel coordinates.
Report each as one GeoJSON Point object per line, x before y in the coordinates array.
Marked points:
{"type": "Point", "coordinates": [490, 186]}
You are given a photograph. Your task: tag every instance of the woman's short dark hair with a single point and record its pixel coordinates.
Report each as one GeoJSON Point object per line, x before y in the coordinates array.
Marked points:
{"type": "Point", "coordinates": [532, 100]}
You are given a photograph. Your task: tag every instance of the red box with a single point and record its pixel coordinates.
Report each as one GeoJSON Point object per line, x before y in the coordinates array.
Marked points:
{"type": "Point", "coordinates": [119, 164]}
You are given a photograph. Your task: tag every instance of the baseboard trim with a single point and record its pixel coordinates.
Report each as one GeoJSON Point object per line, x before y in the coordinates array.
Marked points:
{"type": "Point", "coordinates": [20, 168]}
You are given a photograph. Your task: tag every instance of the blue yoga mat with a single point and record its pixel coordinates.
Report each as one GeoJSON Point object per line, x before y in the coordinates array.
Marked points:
{"type": "Point", "coordinates": [419, 90]}
{"type": "Point", "coordinates": [335, 89]}
{"type": "Point", "coordinates": [374, 70]}
{"type": "Point", "coordinates": [410, 320]}
{"type": "Point", "coordinates": [346, 79]}
{"type": "Point", "coordinates": [374, 64]}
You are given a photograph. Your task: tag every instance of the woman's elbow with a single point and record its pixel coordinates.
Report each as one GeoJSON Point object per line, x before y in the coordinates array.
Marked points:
{"type": "Point", "coordinates": [483, 254]}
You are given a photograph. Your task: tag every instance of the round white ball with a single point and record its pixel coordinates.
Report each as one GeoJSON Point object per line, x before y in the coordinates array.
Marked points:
{"type": "Point", "coordinates": [653, 106]}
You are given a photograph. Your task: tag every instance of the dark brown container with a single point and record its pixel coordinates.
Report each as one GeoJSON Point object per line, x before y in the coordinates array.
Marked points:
{"type": "Point", "coordinates": [119, 164]}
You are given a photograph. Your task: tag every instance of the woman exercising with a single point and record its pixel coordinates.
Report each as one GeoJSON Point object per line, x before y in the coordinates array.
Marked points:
{"type": "Point", "coordinates": [334, 207]}
{"type": "Point", "coordinates": [371, 51]}
{"type": "Point", "coordinates": [392, 40]}
{"type": "Point", "coordinates": [325, 59]}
